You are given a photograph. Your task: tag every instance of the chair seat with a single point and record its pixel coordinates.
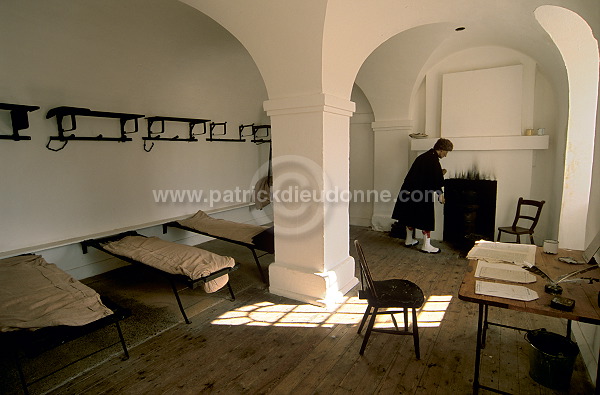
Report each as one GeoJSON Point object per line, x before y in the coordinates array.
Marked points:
{"type": "Point", "coordinates": [395, 293]}
{"type": "Point", "coordinates": [515, 230]}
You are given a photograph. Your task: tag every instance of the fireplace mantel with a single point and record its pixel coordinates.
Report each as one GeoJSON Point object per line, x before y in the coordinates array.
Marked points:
{"type": "Point", "coordinates": [496, 143]}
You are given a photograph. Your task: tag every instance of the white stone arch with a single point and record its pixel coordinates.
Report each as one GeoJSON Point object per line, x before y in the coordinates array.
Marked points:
{"type": "Point", "coordinates": [389, 74]}
{"type": "Point", "coordinates": [579, 48]}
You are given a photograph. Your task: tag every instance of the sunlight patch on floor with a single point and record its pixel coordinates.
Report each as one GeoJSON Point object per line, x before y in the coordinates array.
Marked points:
{"type": "Point", "coordinates": [350, 312]}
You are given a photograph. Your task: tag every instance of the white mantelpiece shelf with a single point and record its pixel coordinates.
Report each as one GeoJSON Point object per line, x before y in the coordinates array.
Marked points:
{"type": "Point", "coordinates": [496, 143]}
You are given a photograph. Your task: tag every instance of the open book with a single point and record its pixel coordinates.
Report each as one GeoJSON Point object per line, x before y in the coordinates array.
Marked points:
{"type": "Point", "coordinates": [520, 254]}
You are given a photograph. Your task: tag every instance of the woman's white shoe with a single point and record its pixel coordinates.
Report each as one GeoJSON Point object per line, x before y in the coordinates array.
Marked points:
{"type": "Point", "coordinates": [427, 247]}
{"type": "Point", "coordinates": [410, 241]}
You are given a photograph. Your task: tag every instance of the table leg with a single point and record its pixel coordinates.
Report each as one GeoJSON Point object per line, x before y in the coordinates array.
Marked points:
{"type": "Point", "coordinates": [478, 349]}
{"type": "Point", "coordinates": [597, 391]}
{"type": "Point", "coordinates": [485, 325]}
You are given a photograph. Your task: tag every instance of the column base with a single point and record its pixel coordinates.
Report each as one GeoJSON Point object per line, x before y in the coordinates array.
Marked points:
{"type": "Point", "coordinates": [320, 289]}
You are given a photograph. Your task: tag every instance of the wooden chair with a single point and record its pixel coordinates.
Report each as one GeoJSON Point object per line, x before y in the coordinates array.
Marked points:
{"type": "Point", "coordinates": [518, 230]}
{"type": "Point", "coordinates": [388, 294]}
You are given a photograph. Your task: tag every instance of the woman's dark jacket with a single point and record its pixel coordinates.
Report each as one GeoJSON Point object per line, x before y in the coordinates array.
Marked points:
{"type": "Point", "coordinates": [414, 205]}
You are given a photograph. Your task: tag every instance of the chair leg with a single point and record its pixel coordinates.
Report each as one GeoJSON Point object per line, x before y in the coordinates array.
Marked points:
{"type": "Point", "coordinates": [531, 239]}
{"type": "Point", "coordinates": [395, 322]}
{"type": "Point", "coordinates": [406, 319]}
{"type": "Point", "coordinates": [369, 329]}
{"type": "Point", "coordinates": [518, 239]}
{"type": "Point", "coordinates": [499, 234]}
{"type": "Point", "coordinates": [364, 319]}
{"type": "Point", "coordinates": [416, 334]}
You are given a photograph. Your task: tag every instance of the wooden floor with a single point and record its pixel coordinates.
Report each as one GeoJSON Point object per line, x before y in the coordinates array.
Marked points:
{"type": "Point", "coordinates": [265, 344]}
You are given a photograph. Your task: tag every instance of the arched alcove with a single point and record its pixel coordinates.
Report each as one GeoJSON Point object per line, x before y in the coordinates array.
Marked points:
{"type": "Point", "coordinates": [579, 49]}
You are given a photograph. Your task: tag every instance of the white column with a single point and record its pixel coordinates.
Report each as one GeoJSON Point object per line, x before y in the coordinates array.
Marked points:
{"type": "Point", "coordinates": [392, 161]}
{"type": "Point", "coordinates": [310, 138]}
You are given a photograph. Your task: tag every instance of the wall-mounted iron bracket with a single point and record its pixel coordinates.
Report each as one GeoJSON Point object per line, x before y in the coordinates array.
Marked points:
{"type": "Point", "coordinates": [155, 136]}
{"type": "Point", "coordinates": [19, 119]}
{"type": "Point", "coordinates": [260, 133]}
{"type": "Point", "coordinates": [72, 112]}
{"type": "Point", "coordinates": [224, 125]}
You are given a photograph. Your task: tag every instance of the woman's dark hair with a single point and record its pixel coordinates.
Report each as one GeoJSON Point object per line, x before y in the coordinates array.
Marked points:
{"type": "Point", "coordinates": [443, 145]}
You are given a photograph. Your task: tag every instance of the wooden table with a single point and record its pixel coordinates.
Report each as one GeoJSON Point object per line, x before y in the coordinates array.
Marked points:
{"type": "Point", "coordinates": [586, 297]}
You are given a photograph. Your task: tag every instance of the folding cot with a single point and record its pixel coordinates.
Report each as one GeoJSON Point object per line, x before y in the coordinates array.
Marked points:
{"type": "Point", "coordinates": [190, 264]}
{"type": "Point", "coordinates": [42, 307]}
{"type": "Point", "coordinates": [253, 237]}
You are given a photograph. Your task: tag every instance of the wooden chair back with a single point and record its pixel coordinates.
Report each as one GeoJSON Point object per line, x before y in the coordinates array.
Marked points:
{"type": "Point", "coordinates": [533, 218]}
{"type": "Point", "coordinates": [366, 279]}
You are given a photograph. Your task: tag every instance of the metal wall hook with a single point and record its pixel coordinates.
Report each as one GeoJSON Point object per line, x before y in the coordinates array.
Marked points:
{"type": "Point", "coordinates": [19, 120]}
{"type": "Point", "coordinates": [213, 125]}
{"type": "Point", "coordinates": [145, 146]}
{"type": "Point", "coordinates": [257, 136]}
{"type": "Point", "coordinates": [57, 149]}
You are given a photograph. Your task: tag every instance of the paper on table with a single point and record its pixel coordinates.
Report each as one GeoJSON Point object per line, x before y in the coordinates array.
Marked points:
{"type": "Point", "coordinates": [503, 271]}
{"type": "Point", "coordinates": [521, 254]}
{"type": "Point", "coordinates": [508, 291]}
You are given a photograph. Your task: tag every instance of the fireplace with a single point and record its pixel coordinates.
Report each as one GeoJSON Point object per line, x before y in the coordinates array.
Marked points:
{"type": "Point", "coordinates": [469, 211]}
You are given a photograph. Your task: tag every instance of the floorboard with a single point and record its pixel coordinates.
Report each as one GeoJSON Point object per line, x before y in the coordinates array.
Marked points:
{"type": "Point", "coordinates": [265, 344]}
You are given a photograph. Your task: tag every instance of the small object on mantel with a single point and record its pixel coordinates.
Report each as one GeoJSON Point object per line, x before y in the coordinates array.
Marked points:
{"type": "Point", "coordinates": [418, 135]}
{"type": "Point", "coordinates": [529, 132]}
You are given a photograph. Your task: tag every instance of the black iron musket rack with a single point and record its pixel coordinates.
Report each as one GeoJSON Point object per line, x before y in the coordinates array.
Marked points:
{"type": "Point", "coordinates": [19, 118]}
{"type": "Point", "coordinates": [157, 136]}
{"type": "Point", "coordinates": [211, 137]}
{"type": "Point", "coordinates": [72, 112]}
{"type": "Point", "coordinates": [260, 133]}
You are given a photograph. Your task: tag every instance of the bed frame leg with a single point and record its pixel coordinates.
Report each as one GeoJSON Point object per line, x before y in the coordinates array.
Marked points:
{"type": "Point", "coordinates": [260, 270]}
{"type": "Point", "coordinates": [21, 374]}
{"type": "Point", "coordinates": [230, 291]}
{"type": "Point", "coordinates": [122, 339]}
{"type": "Point", "coordinates": [179, 301]}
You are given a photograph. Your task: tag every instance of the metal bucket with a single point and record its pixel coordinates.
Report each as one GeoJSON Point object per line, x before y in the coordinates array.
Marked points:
{"type": "Point", "coordinates": [551, 358]}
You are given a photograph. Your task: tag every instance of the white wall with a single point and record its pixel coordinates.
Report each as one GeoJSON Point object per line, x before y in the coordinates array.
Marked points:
{"type": "Point", "coordinates": [483, 102]}
{"type": "Point", "coordinates": [151, 57]}
{"type": "Point", "coordinates": [547, 170]}
{"type": "Point", "coordinates": [514, 170]}
{"type": "Point", "coordinates": [361, 160]}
